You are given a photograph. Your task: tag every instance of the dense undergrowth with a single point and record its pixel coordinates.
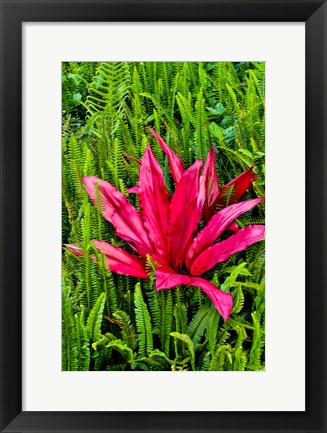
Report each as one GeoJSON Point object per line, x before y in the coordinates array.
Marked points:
{"type": "Point", "coordinates": [114, 322]}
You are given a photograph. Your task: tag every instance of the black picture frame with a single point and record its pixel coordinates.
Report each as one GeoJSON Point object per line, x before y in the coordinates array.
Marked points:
{"type": "Point", "coordinates": [13, 14]}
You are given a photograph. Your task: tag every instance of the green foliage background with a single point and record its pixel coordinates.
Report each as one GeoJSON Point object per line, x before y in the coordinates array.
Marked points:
{"type": "Point", "coordinates": [112, 322]}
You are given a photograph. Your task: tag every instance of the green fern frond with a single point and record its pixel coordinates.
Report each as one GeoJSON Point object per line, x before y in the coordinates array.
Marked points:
{"type": "Point", "coordinates": [166, 322]}
{"type": "Point", "coordinates": [257, 344]}
{"type": "Point", "coordinates": [219, 358]}
{"type": "Point", "coordinates": [180, 314]}
{"type": "Point", "coordinates": [240, 358]}
{"type": "Point", "coordinates": [69, 355]}
{"type": "Point", "coordinates": [94, 320]}
{"type": "Point", "coordinates": [238, 300]}
{"type": "Point", "coordinates": [122, 348]}
{"type": "Point", "coordinates": [201, 134]}
{"type": "Point", "coordinates": [231, 280]}
{"type": "Point", "coordinates": [189, 343]}
{"type": "Point", "coordinates": [197, 327]}
{"type": "Point", "coordinates": [151, 265]}
{"type": "Point", "coordinates": [143, 323]}
{"type": "Point", "coordinates": [212, 327]}
{"type": "Point", "coordinates": [156, 361]}
{"type": "Point", "coordinates": [128, 331]}
{"type": "Point", "coordinates": [82, 342]}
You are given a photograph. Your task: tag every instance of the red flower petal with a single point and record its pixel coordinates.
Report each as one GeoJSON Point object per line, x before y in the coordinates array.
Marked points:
{"type": "Point", "coordinates": [216, 226]}
{"type": "Point", "coordinates": [221, 300]}
{"type": "Point", "coordinates": [240, 184]}
{"type": "Point", "coordinates": [224, 249]}
{"type": "Point", "coordinates": [185, 213]}
{"type": "Point", "coordinates": [133, 190]}
{"type": "Point", "coordinates": [212, 187]}
{"type": "Point", "coordinates": [118, 260]}
{"type": "Point", "coordinates": [144, 250]}
{"type": "Point", "coordinates": [167, 280]}
{"type": "Point", "coordinates": [122, 262]}
{"type": "Point", "coordinates": [76, 249]}
{"type": "Point", "coordinates": [233, 228]}
{"type": "Point", "coordinates": [116, 209]}
{"type": "Point", "coordinates": [133, 158]}
{"type": "Point", "coordinates": [154, 201]}
{"type": "Point", "coordinates": [174, 161]}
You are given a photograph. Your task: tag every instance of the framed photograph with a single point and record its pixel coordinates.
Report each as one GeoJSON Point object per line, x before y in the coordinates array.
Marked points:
{"type": "Point", "coordinates": [163, 216]}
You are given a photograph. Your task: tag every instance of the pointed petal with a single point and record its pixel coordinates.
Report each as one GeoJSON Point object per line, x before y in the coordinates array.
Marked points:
{"type": "Point", "coordinates": [233, 228]}
{"type": "Point", "coordinates": [133, 158]}
{"type": "Point", "coordinates": [121, 261]}
{"type": "Point", "coordinates": [209, 170]}
{"type": "Point", "coordinates": [116, 209]}
{"type": "Point", "coordinates": [185, 213]}
{"type": "Point", "coordinates": [76, 249]}
{"type": "Point", "coordinates": [154, 201]}
{"type": "Point", "coordinates": [239, 185]}
{"type": "Point", "coordinates": [224, 249]}
{"type": "Point", "coordinates": [186, 190]}
{"type": "Point", "coordinates": [133, 190]}
{"type": "Point", "coordinates": [118, 260]}
{"type": "Point", "coordinates": [216, 226]}
{"type": "Point", "coordinates": [212, 187]}
{"type": "Point", "coordinates": [174, 161]}
{"type": "Point", "coordinates": [167, 280]}
{"type": "Point", "coordinates": [221, 300]}
{"type": "Point", "coordinates": [143, 250]}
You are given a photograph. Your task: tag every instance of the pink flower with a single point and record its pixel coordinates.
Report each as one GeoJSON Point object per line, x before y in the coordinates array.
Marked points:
{"type": "Point", "coordinates": [167, 229]}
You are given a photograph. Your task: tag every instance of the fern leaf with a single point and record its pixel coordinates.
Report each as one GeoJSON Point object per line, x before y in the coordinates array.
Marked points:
{"type": "Point", "coordinates": [189, 343]}
{"type": "Point", "coordinates": [82, 343]}
{"type": "Point", "coordinates": [143, 323]}
{"type": "Point", "coordinates": [69, 342]}
{"type": "Point", "coordinates": [212, 327]}
{"type": "Point", "coordinates": [218, 360]}
{"type": "Point", "coordinates": [93, 324]}
{"type": "Point", "coordinates": [166, 319]}
{"type": "Point", "coordinates": [256, 349]}
{"type": "Point", "coordinates": [122, 348]}
{"type": "Point", "coordinates": [128, 330]}
{"type": "Point", "coordinates": [197, 327]}
{"type": "Point", "coordinates": [240, 359]}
